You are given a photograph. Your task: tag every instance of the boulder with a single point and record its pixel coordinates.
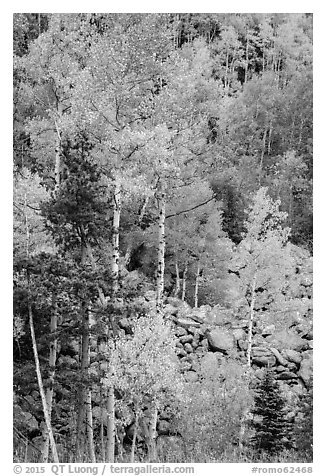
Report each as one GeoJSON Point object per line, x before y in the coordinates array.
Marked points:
{"type": "Point", "coordinates": [191, 376]}
{"type": "Point", "coordinates": [186, 338]}
{"type": "Point", "coordinates": [263, 357]}
{"type": "Point", "coordinates": [239, 334]}
{"type": "Point", "coordinates": [180, 331]}
{"type": "Point", "coordinates": [243, 344]}
{"type": "Point", "coordinates": [268, 330]}
{"type": "Point", "coordinates": [170, 310]}
{"type": "Point", "coordinates": [281, 360]}
{"type": "Point", "coordinates": [185, 322]}
{"type": "Point", "coordinates": [286, 339]}
{"type": "Point", "coordinates": [287, 375]}
{"type": "Point", "coordinates": [292, 356]}
{"type": "Point", "coordinates": [199, 314]}
{"type": "Point", "coordinates": [306, 370]}
{"type": "Point", "coordinates": [218, 316]}
{"type": "Point", "coordinates": [181, 352]}
{"type": "Point", "coordinates": [220, 340]}
{"type": "Point", "coordinates": [280, 368]}
{"type": "Point", "coordinates": [188, 348]}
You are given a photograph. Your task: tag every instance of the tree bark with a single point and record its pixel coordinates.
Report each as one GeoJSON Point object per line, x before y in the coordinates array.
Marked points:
{"type": "Point", "coordinates": [197, 285]}
{"type": "Point", "coordinates": [251, 319]}
{"type": "Point", "coordinates": [161, 249]}
{"type": "Point", "coordinates": [110, 425]}
{"type": "Point", "coordinates": [177, 279]}
{"type": "Point", "coordinates": [49, 391]}
{"type": "Point", "coordinates": [116, 235]}
{"type": "Point", "coordinates": [134, 439]}
{"type": "Point", "coordinates": [41, 387]}
{"type": "Point", "coordinates": [89, 423]}
{"type": "Point", "coordinates": [152, 435]}
{"type": "Point", "coordinates": [184, 281]}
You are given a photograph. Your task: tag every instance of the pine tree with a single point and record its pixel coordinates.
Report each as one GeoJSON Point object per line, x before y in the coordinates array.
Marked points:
{"type": "Point", "coordinates": [272, 430]}
{"type": "Point", "coordinates": [303, 431]}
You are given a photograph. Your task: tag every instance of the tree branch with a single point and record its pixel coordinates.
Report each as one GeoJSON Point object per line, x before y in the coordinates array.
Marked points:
{"type": "Point", "coordinates": [190, 209]}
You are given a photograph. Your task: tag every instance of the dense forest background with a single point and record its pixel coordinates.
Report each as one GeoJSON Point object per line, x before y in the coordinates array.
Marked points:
{"type": "Point", "coordinates": [162, 237]}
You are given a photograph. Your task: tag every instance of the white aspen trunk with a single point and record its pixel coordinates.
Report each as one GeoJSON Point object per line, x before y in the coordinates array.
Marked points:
{"type": "Point", "coordinates": [197, 285]}
{"type": "Point", "coordinates": [41, 387]}
{"type": "Point", "coordinates": [161, 250]}
{"type": "Point", "coordinates": [134, 439]}
{"type": "Point", "coordinates": [177, 279]}
{"type": "Point", "coordinates": [184, 282]}
{"type": "Point", "coordinates": [57, 165]}
{"type": "Point", "coordinates": [247, 59]}
{"type": "Point", "coordinates": [226, 70]}
{"type": "Point", "coordinates": [89, 423]}
{"type": "Point", "coordinates": [54, 317]}
{"type": "Point", "coordinates": [83, 391]}
{"type": "Point", "coordinates": [116, 236]}
{"type": "Point", "coordinates": [270, 137]}
{"type": "Point", "coordinates": [49, 391]}
{"type": "Point", "coordinates": [35, 352]}
{"type": "Point", "coordinates": [251, 319]}
{"type": "Point", "coordinates": [152, 435]}
{"type": "Point", "coordinates": [110, 442]}
{"type": "Point", "coordinates": [262, 156]}
{"type": "Point", "coordinates": [110, 425]}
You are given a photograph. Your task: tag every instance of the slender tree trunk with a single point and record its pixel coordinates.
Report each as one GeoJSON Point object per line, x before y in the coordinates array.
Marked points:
{"type": "Point", "coordinates": [46, 410]}
{"type": "Point", "coordinates": [152, 435]}
{"type": "Point", "coordinates": [49, 390]}
{"type": "Point", "coordinates": [84, 398]}
{"type": "Point", "coordinates": [116, 235]}
{"type": "Point", "coordinates": [110, 425]}
{"type": "Point", "coordinates": [261, 165]}
{"type": "Point", "coordinates": [161, 249]}
{"type": "Point", "coordinates": [134, 439]}
{"type": "Point", "coordinates": [57, 165]}
{"type": "Point", "coordinates": [270, 137]}
{"type": "Point", "coordinates": [54, 317]}
{"type": "Point", "coordinates": [251, 319]}
{"type": "Point", "coordinates": [41, 387]}
{"type": "Point", "coordinates": [197, 285]}
{"type": "Point", "coordinates": [226, 71]}
{"type": "Point", "coordinates": [184, 282]}
{"type": "Point", "coordinates": [89, 423]}
{"type": "Point", "coordinates": [177, 279]}
{"type": "Point", "coordinates": [247, 59]}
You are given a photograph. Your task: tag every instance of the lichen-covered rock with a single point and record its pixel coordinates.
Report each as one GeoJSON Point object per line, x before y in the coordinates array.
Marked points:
{"type": "Point", "coordinates": [170, 310]}
{"type": "Point", "coordinates": [281, 360]}
{"type": "Point", "coordinates": [306, 369]}
{"type": "Point", "coordinates": [239, 334]}
{"type": "Point", "coordinates": [287, 375]}
{"type": "Point", "coordinates": [186, 338]}
{"type": "Point", "coordinates": [292, 355]}
{"type": "Point", "coordinates": [180, 331]}
{"type": "Point", "coordinates": [220, 340]}
{"type": "Point", "coordinates": [191, 376]}
{"type": "Point", "coordinates": [188, 348]}
{"type": "Point", "coordinates": [185, 322]}
{"type": "Point", "coordinates": [286, 339]}
{"type": "Point", "coordinates": [219, 316]}
{"type": "Point", "coordinates": [263, 357]}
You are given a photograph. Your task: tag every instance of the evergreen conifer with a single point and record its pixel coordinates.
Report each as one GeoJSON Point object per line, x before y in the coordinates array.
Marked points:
{"type": "Point", "coordinates": [272, 430]}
